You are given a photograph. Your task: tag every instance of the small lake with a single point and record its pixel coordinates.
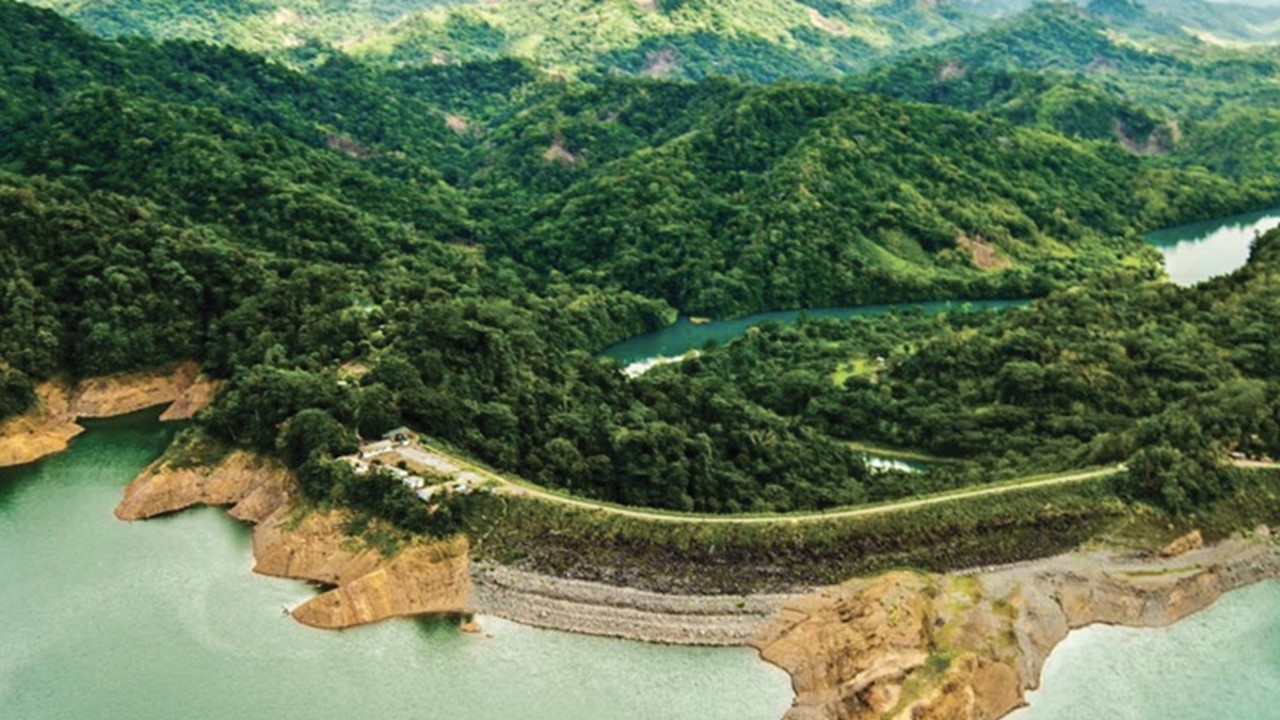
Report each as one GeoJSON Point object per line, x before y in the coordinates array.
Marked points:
{"type": "Point", "coordinates": [1199, 251]}
{"type": "Point", "coordinates": [105, 620]}
{"type": "Point", "coordinates": [1220, 664]}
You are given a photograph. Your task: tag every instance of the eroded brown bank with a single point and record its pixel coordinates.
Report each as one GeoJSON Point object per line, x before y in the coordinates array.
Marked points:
{"type": "Point", "coordinates": [964, 646]}
{"type": "Point", "coordinates": [51, 425]}
{"type": "Point", "coordinates": [969, 646]}
{"type": "Point", "coordinates": [423, 577]}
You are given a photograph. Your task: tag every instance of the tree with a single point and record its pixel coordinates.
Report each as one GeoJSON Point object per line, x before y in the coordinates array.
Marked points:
{"type": "Point", "coordinates": [313, 433]}
{"type": "Point", "coordinates": [376, 411]}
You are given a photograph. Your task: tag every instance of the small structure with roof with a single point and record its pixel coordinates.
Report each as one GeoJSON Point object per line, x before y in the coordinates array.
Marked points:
{"type": "Point", "coordinates": [399, 436]}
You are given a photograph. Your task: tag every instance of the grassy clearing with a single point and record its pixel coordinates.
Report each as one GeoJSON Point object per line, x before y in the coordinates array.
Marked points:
{"type": "Point", "coordinates": [859, 366]}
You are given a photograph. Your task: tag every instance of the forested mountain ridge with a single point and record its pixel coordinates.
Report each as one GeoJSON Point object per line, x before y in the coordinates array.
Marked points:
{"type": "Point", "coordinates": [1215, 23]}
{"type": "Point", "coordinates": [761, 39]}
{"type": "Point", "coordinates": [756, 39]}
{"type": "Point", "coordinates": [1190, 78]}
{"type": "Point", "coordinates": [714, 197]}
{"type": "Point", "coordinates": [1065, 69]}
{"type": "Point", "coordinates": [800, 195]}
{"type": "Point", "coordinates": [355, 248]}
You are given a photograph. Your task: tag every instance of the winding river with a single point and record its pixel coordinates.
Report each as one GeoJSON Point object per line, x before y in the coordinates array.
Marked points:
{"type": "Point", "coordinates": [105, 620]}
{"type": "Point", "coordinates": [685, 335]}
{"type": "Point", "coordinates": [1192, 253]}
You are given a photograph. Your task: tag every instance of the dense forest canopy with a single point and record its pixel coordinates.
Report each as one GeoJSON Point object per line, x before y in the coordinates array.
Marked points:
{"type": "Point", "coordinates": [1169, 380]}
{"type": "Point", "coordinates": [356, 246]}
{"type": "Point", "coordinates": [761, 40]}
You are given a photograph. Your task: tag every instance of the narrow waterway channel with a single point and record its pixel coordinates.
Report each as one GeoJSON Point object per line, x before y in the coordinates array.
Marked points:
{"type": "Point", "coordinates": [1193, 253]}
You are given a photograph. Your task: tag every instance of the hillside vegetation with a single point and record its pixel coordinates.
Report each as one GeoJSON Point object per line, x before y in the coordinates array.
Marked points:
{"type": "Point", "coordinates": [1120, 71]}
{"type": "Point", "coordinates": [355, 247]}
{"type": "Point", "coordinates": [762, 40]}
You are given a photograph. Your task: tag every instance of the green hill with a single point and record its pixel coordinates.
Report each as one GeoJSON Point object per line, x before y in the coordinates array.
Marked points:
{"type": "Point", "coordinates": [471, 234]}
{"type": "Point", "coordinates": [805, 195]}
{"type": "Point", "coordinates": [756, 39]}
{"type": "Point", "coordinates": [761, 39]}
{"type": "Point", "coordinates": [1155, 91]}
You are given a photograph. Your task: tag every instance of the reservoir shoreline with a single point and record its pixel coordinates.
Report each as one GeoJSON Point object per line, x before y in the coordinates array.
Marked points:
{"type": "Point", "coordinates": [970, 645]}
{"type": "Point", "coordinates": [50, 425]}
{"type": "Point", "coordinates": [901, 644]}
{"type": "Point", "coordinates": [121, 618]}
{"type": "Point", "coordinates": [864, 649]}
{"type": "Point", "coordinates": [966, 645]}
{"type": "Point", "coordinates": [840, 666]}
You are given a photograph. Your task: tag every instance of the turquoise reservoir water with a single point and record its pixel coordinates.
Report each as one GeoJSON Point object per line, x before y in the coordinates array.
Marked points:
{"type": "Point", "coordinates": [1221, 664]}
{"type": "Point", "coordinates": [1199, 251]}
{"type": "Point", "coordinates": [1193, 253]}
{"type": "Point", "coordinates": [683, 336]}
{"type": "Point", "coordinates": [104, 620]}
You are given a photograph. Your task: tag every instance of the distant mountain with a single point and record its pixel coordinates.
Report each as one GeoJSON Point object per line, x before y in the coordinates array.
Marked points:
{"type": "Point", "coordinates": [1214, 23]}
{"type": "Point", "coordinates": [1112, 71]}
{"type": "Point", "coordinates": [718, 197]}
{"type": "Point", "coordinates": [757, 39]}
{"type": "Point", "coordinates": [760, 39]}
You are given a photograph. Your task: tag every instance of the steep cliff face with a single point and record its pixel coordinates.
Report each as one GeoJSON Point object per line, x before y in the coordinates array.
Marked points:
{"type": "Point", "coordinates": [121, 394]}
{"type": "Point", "coordinates": [49, 426]}
{"type": "Point", "coordinates": [422, 577]}
{"type": "Point", "coordinates": [311, 548]}
{"type": "Point", "coordinates": [162, 488]}
{"type": "Point", "coordinates": [968, 647]}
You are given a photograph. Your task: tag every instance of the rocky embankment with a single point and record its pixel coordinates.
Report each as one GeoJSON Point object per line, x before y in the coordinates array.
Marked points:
{"type": "Point", "coordinates": [51, 425]}
{"type": "Point", "coordinates": [423, 577]}
{"type": "Point", "coordinates": [598, 609]}
{"type": "Point", "coordinates": [969, 646]}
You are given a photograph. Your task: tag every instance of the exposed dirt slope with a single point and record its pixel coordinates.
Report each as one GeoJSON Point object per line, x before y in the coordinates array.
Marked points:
{"type": "Point", "coordinates": [422, 577]}
{"type": "Point", "coordinates": [968, 647]}
{"type": "Point", "coordinates": [163, 488]}
{"type": "Point", "coordinates": [44, 430]}
{"type": "Point", "coordinates": [49, 426]}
